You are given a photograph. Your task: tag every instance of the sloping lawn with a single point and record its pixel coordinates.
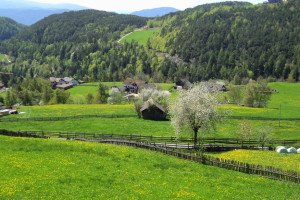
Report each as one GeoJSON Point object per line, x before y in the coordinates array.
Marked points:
{"type": "Point", "coordinates": [49, 169]}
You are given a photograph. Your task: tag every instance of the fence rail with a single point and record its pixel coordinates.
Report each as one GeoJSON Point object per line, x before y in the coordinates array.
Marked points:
{"type": "Point", "coordinates": [207, 140]}
{"type": "Point", "coordinates": [265, 171]}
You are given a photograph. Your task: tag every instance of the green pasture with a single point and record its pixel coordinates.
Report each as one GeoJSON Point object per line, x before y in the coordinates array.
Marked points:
{"type": "Point", "coordinates": [265, 158]}
{"type": "Point", "coordinates": [51, 169]}
{"type": "Point", "coordinates": [164, 86]}
{"type": "Point", "coordinates": [130, 125]}
{"type": "Point", "coordinates": [284, 104]}
{"type": "Point", "coordinates": [83, 91]}
{"type": "Point", "coordinates": [135, 126]}
{"type": "Point", "coordinates": [283, 129]}
{"type": "Point", "coordinates": [140, 36]}
{"type": "Point", "coordinates": [2, 57]}
{"type": "Point", "coordinates": [65, 110]}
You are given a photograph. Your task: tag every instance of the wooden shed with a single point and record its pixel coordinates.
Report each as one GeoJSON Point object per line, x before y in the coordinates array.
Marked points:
{"type": "Point", "coordinates": [153, 111]}
{"type": "Point", "coordinates": [184, 83]}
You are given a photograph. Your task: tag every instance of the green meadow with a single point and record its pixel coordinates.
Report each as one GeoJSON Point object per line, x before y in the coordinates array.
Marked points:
{"type": "Point", "coordinates": [83, 91]}
{"type": "Point", "coordinates": [282, 127]}
{"type": "Point", "coordinates": [51, 169]}
{"type": "Point", "coordinates": [263, 158]}
{"type": "Point", "coordinates": [140, 36]}
{"type": "Point", "coordinates": [2, 56]}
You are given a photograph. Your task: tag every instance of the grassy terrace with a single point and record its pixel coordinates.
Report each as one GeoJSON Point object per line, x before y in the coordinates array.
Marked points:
{"type": "Point", "coordinates": [288, 95]}
{"type": "Point", "coordinates": [2, 56]}
{"type": "Point", "coordinates": [140, 36]}
{"type": "Point", "coordinates": [50, 169]}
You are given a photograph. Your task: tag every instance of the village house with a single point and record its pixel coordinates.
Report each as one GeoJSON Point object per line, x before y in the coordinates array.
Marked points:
{"type": "Point", "coordinates": [63, 83]}
{"type": "Point", "coordinates": [183, 84]}
{"type": "Point", "coordinates": [214, 87]}
{"type": "Point", "coordinates": [135, 86]}
{"type": "Point", "coordinates": [153, 111]}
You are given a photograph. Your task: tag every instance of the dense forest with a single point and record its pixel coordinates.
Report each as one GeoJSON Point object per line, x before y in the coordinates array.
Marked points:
{"type": "Point", "coordinates": [9, 28]}
{"type": "Point", "coordinates": [234, 40]}
{"type": "Point", "coordinates": [229, 40]}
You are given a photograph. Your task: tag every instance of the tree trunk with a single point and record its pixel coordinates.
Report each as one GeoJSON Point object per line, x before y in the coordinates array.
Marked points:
{"type": "Point", "coordinates": [195, 137]}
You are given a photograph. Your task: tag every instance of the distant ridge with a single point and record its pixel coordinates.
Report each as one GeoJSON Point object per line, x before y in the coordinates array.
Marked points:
{"type": "Point", "coordinates": [28, 13]}
{"type": "Point", "coordinates": [155, 12]}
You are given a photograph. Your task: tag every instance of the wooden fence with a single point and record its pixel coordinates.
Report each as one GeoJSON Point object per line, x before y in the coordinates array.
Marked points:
{"type": "Point", "coordinates": [265, 171]}
{"type": "Point", "coordinates": [234, 142]}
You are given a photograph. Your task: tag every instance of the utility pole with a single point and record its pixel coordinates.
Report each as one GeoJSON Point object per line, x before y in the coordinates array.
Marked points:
{"type": "Point", "coordinates": [279, 115]}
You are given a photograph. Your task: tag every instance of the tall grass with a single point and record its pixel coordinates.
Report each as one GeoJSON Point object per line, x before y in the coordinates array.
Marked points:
{"type": "Point", "coordinates": [48, 169]}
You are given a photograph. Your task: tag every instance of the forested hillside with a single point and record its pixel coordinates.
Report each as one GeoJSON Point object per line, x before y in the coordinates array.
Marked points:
{"type": "Point", "coordinates": [65, 44]}
{"type": "Point", "coordinates": [229, 40]}
{"type": "Point", "coordinates": [9, 28]}
{"type": "Point", "coordinates": [234, 39]}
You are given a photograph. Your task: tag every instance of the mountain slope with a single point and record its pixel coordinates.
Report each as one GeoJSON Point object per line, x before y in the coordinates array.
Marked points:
{"type": "Point", "coordinates": [81, 43]}
{"type": "Point", "coordinates": [9, 28]}
{"type": "Point", "coordinates": [155, 12]}
{"type": "Point", "coordinates": [232, 39]}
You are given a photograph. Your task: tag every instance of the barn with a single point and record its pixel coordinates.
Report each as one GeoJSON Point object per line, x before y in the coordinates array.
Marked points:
{"type": "Point", "coordinates": [153, 111]}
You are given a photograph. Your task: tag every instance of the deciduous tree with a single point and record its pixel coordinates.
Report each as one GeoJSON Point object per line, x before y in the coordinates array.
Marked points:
{"type": "Point", "coordinates": [194, 110]}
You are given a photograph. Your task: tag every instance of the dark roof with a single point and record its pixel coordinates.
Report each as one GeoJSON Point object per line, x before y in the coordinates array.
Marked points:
{"type": "Point", "coordinates": [213, 86]}
{"type": "Point", "coordinates": [65, 86]}
{"type": "Point", "coordinates": [149, 103]}
{"type": "Point", "coordinates": [184, 83]}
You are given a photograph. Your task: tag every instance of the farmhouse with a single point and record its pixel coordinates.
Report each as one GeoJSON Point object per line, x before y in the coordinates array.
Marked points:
{"type": "Point", "coordinates": [135, 86]}
{"type": "Point", "coordinates": [214, 87]}
{"type": "Point", "coordinates": [63, 83]}
{"type": "Point", "coordinates": [153, 111]}
{"type": "Point", "coordinates": [184, 84]}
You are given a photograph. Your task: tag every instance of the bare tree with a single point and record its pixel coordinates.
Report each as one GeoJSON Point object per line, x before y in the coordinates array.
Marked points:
{"type": "Point", "coordinates": [244, 131]}
{"type": "Point", "coordinates": [194, 110]}
{"type": "Point", "coordinates": [264, 135]}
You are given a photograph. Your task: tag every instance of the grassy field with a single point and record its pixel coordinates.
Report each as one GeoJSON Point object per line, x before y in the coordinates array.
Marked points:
{"type": "Point", "coordinates": [83, 91]}
{"type": "Point", "coordinates": [2, 56]}
{"type": "Point", "coordinates": [64, 110]}
{"type": "Point", "coordinates": [50, 169]}
{"type": "Point", "coordinates": [288, 129]}
{"type": "Point", "coordinates": [266, 158]}
{"type": "Point", "coordinates": [140, 36]}
{"type": "Point", "coordinates": [132, 125]}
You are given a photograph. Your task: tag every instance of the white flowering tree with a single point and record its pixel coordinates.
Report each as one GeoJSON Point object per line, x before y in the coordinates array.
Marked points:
{"type": "Point", "coordinates": [194, 110]}
{"type": "Point", "coordinates": [115, 96]}
{"type": "Point", "coordinates": [158, 95]}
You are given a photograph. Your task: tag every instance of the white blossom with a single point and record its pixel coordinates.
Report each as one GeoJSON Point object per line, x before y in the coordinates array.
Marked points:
{"type": "Point", "coordinates": [194, 109]}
